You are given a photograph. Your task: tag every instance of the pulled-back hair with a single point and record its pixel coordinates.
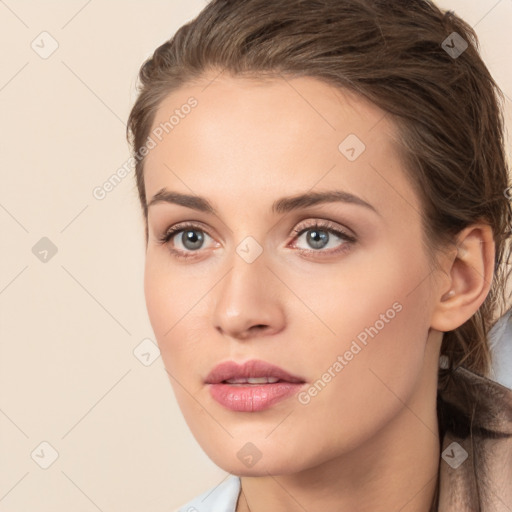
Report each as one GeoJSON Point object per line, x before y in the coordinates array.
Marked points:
{"type": "Point", "coordinates": [403, 57]}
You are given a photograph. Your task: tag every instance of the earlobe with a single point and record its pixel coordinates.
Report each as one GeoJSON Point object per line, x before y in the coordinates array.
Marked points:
{"type": "Point", "coordinates": [470, 277]}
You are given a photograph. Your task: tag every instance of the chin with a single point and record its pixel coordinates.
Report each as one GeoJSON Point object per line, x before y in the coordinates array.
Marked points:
{"type": "Point", "coordinates": [261, 468]}
{"type": "Point", "coordinates": [253, 459]}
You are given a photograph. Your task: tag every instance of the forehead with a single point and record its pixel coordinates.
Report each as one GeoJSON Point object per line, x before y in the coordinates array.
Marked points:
{"type": "Point", "coordinates": [292, 132]}
{"type": "Point", "coordinates": [276, 101]}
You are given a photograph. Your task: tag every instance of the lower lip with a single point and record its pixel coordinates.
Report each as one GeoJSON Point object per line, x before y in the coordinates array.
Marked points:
{"type": "Point", "coordinates": [252, 397]}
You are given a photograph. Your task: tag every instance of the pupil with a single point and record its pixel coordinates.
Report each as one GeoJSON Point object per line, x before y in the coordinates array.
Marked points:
{"type": "Point", "coordinates": [317, 237]}
{"type": "Point", "coordinates": [195, 238]}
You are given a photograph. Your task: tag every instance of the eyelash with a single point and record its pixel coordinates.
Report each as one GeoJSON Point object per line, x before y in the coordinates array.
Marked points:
{"type": "Point", "coordinates": [318, 225]}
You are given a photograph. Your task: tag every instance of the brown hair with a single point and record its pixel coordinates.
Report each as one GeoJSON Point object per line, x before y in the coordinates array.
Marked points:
{"type": "Point", "coordinates": [403, 57]}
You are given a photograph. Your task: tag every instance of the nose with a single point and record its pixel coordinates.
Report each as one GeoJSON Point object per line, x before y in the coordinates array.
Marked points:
{"type": "Point", "coordinates": [248, 301]}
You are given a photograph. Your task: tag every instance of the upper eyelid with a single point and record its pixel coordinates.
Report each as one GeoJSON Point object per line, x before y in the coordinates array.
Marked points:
{"type": "Point", "coordinates": [328, 225]}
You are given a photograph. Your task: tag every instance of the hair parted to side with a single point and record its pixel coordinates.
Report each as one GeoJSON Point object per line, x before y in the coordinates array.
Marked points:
{"type": "Point", "coordinates": [448, 111]}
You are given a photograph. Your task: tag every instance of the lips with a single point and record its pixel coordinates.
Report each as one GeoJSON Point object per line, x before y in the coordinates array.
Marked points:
{"type": "Point", "coordinates": [251, 387]}
{"type": "Point", "coordinates": [248, 372]}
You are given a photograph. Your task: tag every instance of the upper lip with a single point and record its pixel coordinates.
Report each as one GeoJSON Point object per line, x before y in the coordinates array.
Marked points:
{"type": "Point", "coordinates": [254, 368]}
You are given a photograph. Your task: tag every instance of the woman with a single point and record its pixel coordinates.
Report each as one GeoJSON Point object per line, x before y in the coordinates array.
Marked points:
{"type": "Point", "coordinates": [323, 189]}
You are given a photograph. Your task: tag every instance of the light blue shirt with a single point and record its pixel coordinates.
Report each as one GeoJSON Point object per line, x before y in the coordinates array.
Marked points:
{"type": "Point", "coordinates": [500, 342]}
{"type": "Point", "coordinates": [221, 498]}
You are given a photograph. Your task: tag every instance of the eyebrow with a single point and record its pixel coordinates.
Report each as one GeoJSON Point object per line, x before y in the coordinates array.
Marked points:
{"type": "Point", "coordinates": [282, 205]}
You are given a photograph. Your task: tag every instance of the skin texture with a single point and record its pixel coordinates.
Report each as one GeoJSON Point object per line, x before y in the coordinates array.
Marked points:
{"type": "Point", "coordinates": [368, 440]}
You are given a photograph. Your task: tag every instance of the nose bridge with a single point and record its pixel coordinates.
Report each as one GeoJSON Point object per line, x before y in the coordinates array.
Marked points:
{"type": "Point", "coordinates": [242, 285]}
{"type": "Point", "coordinates": [246, 297]}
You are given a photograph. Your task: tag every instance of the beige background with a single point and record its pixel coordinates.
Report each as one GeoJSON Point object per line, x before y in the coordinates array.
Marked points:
{"type": "Point", "coordinates": [69, 326]}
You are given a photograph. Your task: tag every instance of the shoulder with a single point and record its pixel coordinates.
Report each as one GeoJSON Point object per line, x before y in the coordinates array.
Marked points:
{"type": "Point", "coordinates": [475, 420]}
{"type": "Point", "coordinates": [221, 498]}
{"type": "Point", "coordinates": [482, 404]}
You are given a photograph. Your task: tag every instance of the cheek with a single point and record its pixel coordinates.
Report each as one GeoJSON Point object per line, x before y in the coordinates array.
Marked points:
{"type": "Point", "coordinates": [167, 301]}
{"type": "Point", "coordinates": [176, 303]}
{"type": "Point", "coordinates": [159, 303]}
{"type": "Point", "coordinates": [380, 294]}
{"type": "Point", "coordinates": [390, 311]}
{"type": "Point", "coordinates": [364, 373]}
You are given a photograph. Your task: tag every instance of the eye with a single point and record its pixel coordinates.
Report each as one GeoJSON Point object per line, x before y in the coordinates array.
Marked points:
{"type": "Point", "coordinates": [319, 236]}
{"type": "Point", "coordinates": [189, 239]}
{"type": "Point", "coordinates": [186, 240]}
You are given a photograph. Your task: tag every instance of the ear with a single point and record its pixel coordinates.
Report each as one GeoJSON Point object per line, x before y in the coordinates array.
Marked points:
{"type": "Point", "coordinates": [470, 271]}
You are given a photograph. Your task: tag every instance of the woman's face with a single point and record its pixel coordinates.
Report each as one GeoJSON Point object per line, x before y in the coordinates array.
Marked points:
{"type": "Point", "coordinates": [337, 292]}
